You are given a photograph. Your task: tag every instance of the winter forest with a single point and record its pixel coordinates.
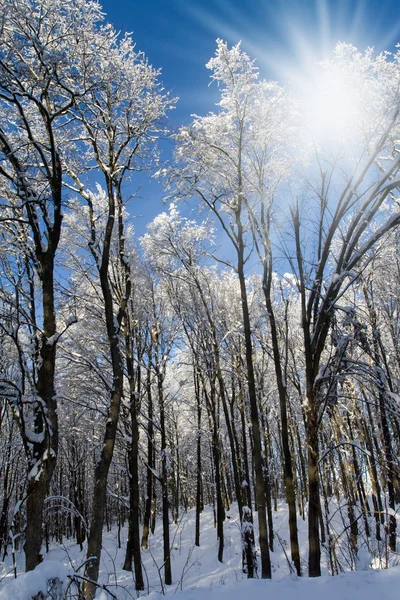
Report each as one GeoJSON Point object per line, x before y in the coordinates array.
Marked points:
{"type": "Point", "coordinates": [174, 396]}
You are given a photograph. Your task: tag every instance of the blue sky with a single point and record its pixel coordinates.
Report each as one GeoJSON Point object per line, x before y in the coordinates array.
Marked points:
{"type": "Point", "coordinates": [179, 36]}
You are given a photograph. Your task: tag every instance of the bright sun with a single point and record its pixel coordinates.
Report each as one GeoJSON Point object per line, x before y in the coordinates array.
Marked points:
{"type": "Point", "coordinates": [330, 105]}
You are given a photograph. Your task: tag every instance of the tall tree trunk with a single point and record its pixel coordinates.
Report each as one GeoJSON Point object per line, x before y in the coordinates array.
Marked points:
{"type": "Point", "coordinates": [314, 551]}
{"type": "Point", "coordinates": [223, 397]}
{"type": "Point", "coordinates": [164, 486]}
{"type": "Point", "coordinates": [255, 422]}
{"type": "Point", "coordinates": [133, 544]}
{"type": "Point", "coordinates": [99, 497]}
{"type": "Point", "coordinates": [164, 482]}
{"type": "Point", "coordinates": [267, 476]}
{"type": "Point", "coordinates": [311, 412]}
{"type": "Point", "coordinates": [177, 478]}
{"type": "Point", "coordinates": [282, 392]}
{"type": "Point", "coordinates": [113, 324]}
{"type": "Point", "coordinates": [150, 464]}
{"type": "Point", "coordinates": [216, 454]}
{"type": "Point", "coordinates": [44, 454]}
{"type": "Point", "coordinates": [198, 461]}
{"type": "Point", "coordinates": [244, 441]}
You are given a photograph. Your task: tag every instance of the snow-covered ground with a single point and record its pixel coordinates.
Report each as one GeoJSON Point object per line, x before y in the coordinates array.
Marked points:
{"type": "Point", "coordinates": [197, 573]}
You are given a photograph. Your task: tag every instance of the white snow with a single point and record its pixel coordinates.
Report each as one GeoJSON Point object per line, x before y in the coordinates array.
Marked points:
{"type": "Point", "coordinates": [71, 320]}
{"type": "Point", "coordinates": [34, 437]}
{"type": "Point", "coordinates": [30, 584]}
{"type": "Point", "coordinates": [351, 586]}
{"type": "Point", "coordinates": [197, 575]}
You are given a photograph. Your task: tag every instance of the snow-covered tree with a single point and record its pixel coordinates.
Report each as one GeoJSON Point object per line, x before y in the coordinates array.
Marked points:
{"type": "Point", "coordinates": [46, 53]}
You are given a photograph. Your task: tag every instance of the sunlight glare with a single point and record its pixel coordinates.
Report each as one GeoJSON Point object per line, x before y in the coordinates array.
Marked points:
{"type": "Point", "coordinates": [329, 103]}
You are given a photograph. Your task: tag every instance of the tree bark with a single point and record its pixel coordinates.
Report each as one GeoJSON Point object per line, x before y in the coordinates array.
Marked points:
{"type": "Point", "coordinates": [113, 323]}
{"type": "Point", "coordinates": [314, 551]}
{"type": "Point", "coordinates": [255, 422]}
{"type": "Point", "coordinates": [44, 454]}
{"type": "Point", "coordinates": [198, 461]}
{"type": "Point", "coordinates": [282, 392]}
{"type": "Point", "coordinates": [150, 464]}
{"type": "Point", "coordinates": [133, 544]}
{"type": "Point", "coordinates": [164, 487]}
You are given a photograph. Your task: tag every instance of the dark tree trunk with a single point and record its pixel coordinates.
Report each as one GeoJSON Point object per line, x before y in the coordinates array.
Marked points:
{"type": "Point", "coordinates": [177, 477]}
{"type": "Point", "coordinates": [268, 490]}
{"type": "Point", "coordinates": [37, 179]}
{"type": "Point", "coordinates": [133, 544]}
{"type": "Point", "coordinates": [100, 495]}
{"type": "Point", "coordinates": [229, 427]}
{"type": "Point", "coordinates": [113, 324]}
{"type": "Point", "coordinates": [245, 450]}
{"type": "Point", "coordinates": [164, 482]}
{"type": "Point", "coordinates": [255, 421]}
{"type": "Point", "coordinates": [314, 552]}
{"type": "Point", "coordinates": [223, 396]}
{"type": "Point", "coordinates": [281, 384]}
{"type": "Point", "coordinates": [150, 465]}
{"type": "Point", "coordinates": [44, 454]}
{"type": "Point", "coordinates": [311, 412]}
{"type": "Point", "coordinates": [198, 461]}
{"type": "Point", "coordinates": [216, 454]}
